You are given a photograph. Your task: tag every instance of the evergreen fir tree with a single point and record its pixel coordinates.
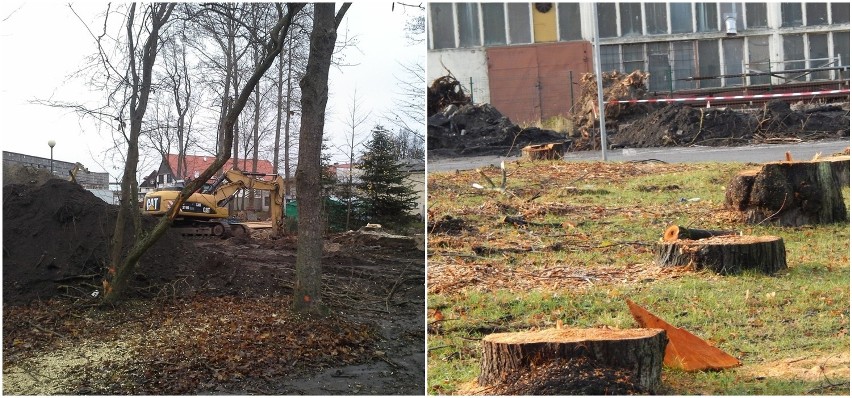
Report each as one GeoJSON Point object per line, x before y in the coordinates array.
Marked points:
{"type": "Point", "coordinates": [385, 195]}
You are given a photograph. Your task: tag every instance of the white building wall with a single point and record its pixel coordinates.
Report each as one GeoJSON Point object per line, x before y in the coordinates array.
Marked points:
{"type": "Point", "coordinates": [464, 63]}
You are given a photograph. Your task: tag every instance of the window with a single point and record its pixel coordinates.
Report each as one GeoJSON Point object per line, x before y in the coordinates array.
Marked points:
{"type": "Point", "coordinates": [758, 58]}
{"type": "Point", "coordinates": [494, 24]}
{"type": "Point", "coordinates": [443, 35]}
{"type": "Point", "coordinates": [732, 49]}
{"type": "Point", "coordinates": [468, 24]}
{"type": "Point", "coordinates": [656, 18]}
{"type": "Point", "coordinates": [794, 50]}
{"type": "Point", "coordinates": [818, 55]}
{"type": "Point", "coordinates": [791, 14]}
{"type": "Point", "coordinates": [841, 47]}
{"type": "Point", "coordinates": [606, 20]}
{"type": "Point", "coordinates": [684, 64]}
{"type": "Point", "coordinates": [609, 59]}
{"type": "Point", "coordinates": [569, 21]}
{"type": "Point", "coordinates": [161, 177]}
{"type": "Point", "coordinates": [633, 56]}
{"type": "Point", "coordinates": [756, 15]}
{"type": "Point", "coordinates": [733, 8]}
{"type": "Point", "coordinates": [708, 63]}
{"type": "Point", "coordinates": [681, 17]}
{"type": "Point", "coordinates": [840, 12]}
{"type": "Point", "coordinates": [519, 23]}
{"type": "Point", "coordinates": [631, 19]}
{"type": "Point", "coordinates": [659, 68]}
{"type": "Point", "coordinates": [817, 13]}
{"type": "Point", "coordinates": [706, 17]}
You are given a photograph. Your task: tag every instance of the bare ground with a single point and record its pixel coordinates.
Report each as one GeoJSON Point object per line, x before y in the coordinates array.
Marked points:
{"type": "Point", "coordinates": [206, 316]}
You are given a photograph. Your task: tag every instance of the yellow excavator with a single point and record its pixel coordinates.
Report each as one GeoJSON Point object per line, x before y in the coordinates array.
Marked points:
{"type": "Point", "coordinates": [206, 212]}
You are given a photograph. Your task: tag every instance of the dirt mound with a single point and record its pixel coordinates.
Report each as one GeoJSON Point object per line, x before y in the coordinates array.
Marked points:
{"type": "Point", "coordinates": [56, 242]}
{"type": "Point", "coordinates": [682, 125]}
{"type": "Point", "coordinates": [472, 130]}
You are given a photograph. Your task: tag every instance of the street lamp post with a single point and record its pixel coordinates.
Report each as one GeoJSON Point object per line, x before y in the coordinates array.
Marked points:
{"type": "Point", "coordinates": [51, 144]}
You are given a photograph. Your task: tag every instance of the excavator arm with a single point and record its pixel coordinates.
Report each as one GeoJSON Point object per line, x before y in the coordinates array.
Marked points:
{"type": "Point", "coordinates": [237, 180]}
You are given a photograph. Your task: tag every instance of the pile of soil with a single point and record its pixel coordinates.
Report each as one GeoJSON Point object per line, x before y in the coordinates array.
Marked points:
{"type": "Point", "coordinates": [683, 125]}
{"type": "Point", "coordinates": [475, 130]}
{"type": "Point", "coordinates": [56, 243]}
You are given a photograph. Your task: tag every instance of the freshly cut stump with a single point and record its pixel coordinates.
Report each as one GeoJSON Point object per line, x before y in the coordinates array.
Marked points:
{"type": "Point", "coordinates": [639, 352]}
{"type": "Point", "coordinates": [791, 193]}
{"type": "Point", "coordinates": [544, 151]}
{"type": "Point", "coordinates": [725, 254]}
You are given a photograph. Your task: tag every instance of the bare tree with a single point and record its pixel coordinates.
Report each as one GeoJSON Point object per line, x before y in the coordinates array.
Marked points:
{"type": "Point", "coordinates": [122, 266]}
{"type": "Point", "coordinates": [140, 64]}
{"type": "Point", "coordinates": [308, 190]}
{"type": "Point", "coordinates": [355, 119]}
{"type": "Point", "coordinates": [408, 113]}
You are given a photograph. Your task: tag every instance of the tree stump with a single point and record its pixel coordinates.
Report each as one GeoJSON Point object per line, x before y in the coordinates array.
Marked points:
{"type": "Point", "coordinates": [543, 152]}
{"type": "Point", "coordinates": [725, 255]}
{"type": "Point", "coordinates": [791, 193]}
{"type": "Point", "coordinates": [639, 352]}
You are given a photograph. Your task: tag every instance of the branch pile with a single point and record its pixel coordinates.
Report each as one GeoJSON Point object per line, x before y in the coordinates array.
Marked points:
{"type": "Point", "coordinates": [443, 92]}
{"type": "Point", "coordinates": [617, 86]}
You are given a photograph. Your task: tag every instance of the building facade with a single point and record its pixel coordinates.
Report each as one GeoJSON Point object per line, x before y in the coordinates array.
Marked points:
{"type": "Point", "coordinates": [526, 58]}
{"type": "Point", "coordinates": [97, 183]}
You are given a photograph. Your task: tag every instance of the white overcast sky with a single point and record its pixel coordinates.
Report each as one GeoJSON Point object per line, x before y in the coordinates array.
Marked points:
{"type": "Point", "coordinates": [42, 44]}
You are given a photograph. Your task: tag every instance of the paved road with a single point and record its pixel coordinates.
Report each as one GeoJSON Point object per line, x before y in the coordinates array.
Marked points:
{"type": "Point", "coordinates": [752, 153]}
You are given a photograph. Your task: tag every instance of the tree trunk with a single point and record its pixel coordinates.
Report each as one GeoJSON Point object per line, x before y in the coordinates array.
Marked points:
{"type": "Point", "coordinates": [638, 351]}
{"type": "Point", "coordinates": [675, 232]}
{"type": "Point", "coordinates": [791, 193]}
{"type": "Point", "coordinates": [544, 151]}
{"type": "Point", "coordinates": [725, 254]}
{"type": "Point", "coordinates": [308, 174]}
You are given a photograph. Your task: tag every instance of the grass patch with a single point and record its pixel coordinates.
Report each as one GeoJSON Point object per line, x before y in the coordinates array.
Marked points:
{"type": "Point", "coordinates": [580, 255]}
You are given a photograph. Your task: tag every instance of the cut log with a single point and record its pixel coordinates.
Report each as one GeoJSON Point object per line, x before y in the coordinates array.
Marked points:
{"type": "Point", "coordinates": [639, 352]}
{"type": "Point", "coordinates": [685, 350]}
{"type": "Point", "coordinates": [675, 232]}
{"type": "Point", "coordinates": [791, 193]}
{"type": "Point", "coordinates": [725, 254]}
{"type": "Point", "coordinates": [544, 151]}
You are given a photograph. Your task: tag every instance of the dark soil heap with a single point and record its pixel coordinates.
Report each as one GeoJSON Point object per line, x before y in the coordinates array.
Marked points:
{"type": "Point", "coordinates": [682, 125]}
{"type": "Point", "coordinates": [56, 239]}
{"type": "Point", "coordinates": [472, 130]}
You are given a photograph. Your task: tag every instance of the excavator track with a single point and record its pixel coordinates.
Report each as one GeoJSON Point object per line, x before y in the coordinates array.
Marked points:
{"type": "Point", "coordinates": [212, 229]}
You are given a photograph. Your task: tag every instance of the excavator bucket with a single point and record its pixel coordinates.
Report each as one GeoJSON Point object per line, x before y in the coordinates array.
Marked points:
{"type": "Point", "coordinates": [685, 350]}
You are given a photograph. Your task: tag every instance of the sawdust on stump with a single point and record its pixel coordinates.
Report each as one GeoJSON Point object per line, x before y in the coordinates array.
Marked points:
{"type": "Point", "coordinates": [791, 193]}
{"type": "Point", "coordinates": [730, 254]}
{"type": "Point", "coordinates": [633, 355]}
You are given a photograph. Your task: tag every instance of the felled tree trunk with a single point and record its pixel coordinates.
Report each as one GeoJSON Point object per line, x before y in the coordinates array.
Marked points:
{"type": "Point", "coordinates": [544, 151]}
{"type": "Point", "coordinates": [791, 193]}
{"type": "Point", "coordinates": [725, 254]}
{"type": "Point", "coordinates": [638, 351]}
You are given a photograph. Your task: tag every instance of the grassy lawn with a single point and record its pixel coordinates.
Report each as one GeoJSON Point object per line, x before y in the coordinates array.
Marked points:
{"type": "Point", "coordinates": [585, 244]}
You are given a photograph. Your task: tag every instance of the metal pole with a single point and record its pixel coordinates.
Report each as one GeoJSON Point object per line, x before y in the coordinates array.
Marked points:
{"type": "Point", "coordinates": [471, 89]}
{"type": "Point", "coordinates": [51, 144]}
{"type": "Point", "coordinates": [571, 85]}
{"type": "Point", "coordinates": [601, 110]}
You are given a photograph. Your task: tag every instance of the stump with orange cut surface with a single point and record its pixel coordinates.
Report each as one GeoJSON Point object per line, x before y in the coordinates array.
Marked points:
{"type": "Point", "coordinates": [638, 352]}
{"type": "Point", "coordinates": [730, 254]}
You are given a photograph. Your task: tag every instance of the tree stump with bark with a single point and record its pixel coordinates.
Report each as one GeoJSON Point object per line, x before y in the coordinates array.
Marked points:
{"type": "Point", "coordinates": [638, 352]}
{"type": "Point", "coordinates": [729, 254]}
{"type": "Point", "coordinates": [791, 193]}
{"type": "Point", "coordinates": [544, 151]}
